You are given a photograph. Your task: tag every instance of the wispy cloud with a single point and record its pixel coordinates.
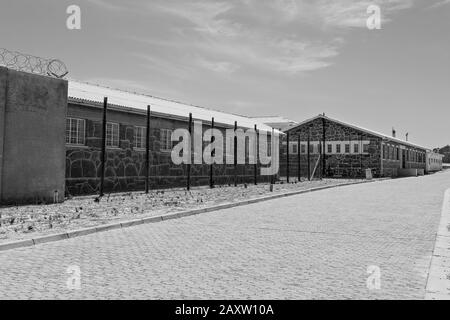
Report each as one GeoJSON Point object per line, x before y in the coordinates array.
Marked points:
{"type": "Point", "coordinates": [173, 67]}
{"type": "Point", "coordinates": [230, 34]}
{"type": "Point", "coordinates": [284, 36]}
{"type": "Point", "coordinates": [349, 13]}
{"type": "Point", "coordinates": [440, 4]}
{"type": "Point", "coordinates": [223, 67]}
{"type": "Point", "coordinates": [205, 16]}
{"type": "Point", "coordinates": [110, 5]}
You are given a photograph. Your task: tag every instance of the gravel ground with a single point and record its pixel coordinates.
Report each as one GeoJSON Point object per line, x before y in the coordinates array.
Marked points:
{"type": "Point", "coordinates": [31, 221]}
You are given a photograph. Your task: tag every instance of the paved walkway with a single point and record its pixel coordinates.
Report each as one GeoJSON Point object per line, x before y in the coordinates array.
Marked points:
{"type": "Point", "coordinates": [316, 245]}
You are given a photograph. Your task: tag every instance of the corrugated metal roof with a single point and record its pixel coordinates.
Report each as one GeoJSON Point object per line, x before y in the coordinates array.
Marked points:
{"type": "Point", "coordinates": [374, 133]}
{"type": "Point", "coordinates": [274, 119]}
{"type": "Point", "coordinates": [79, 92]}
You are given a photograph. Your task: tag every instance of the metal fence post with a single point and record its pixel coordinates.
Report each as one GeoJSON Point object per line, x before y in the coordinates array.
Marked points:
{"type": "Point", "coordinates": [287, 156]}
{"type": "Point", "coordinates": [272, 179]}
{"type": "Point", "coordinates": [147, 152]}
{"type": "Point", "coordinates": [324, 160]}
{"type": "Point", "coordinates": [255, 166]}
{"type": "Point", "coordinates": [211, 167]}
{"type": "Point", "coordinates": [360, 155]}
{"type": "Point", "coordinates": [309, 153]}
{"type": "Point", "coordinates": [299, 172]}
{"type": "Point", "coordinates": [103, 155]}
{"type": "Point", "coordinates": [188, 180]}
{"type": "Point", "coordinates": [319, 162]}
{"type": "Point", "coordinates": [235, 154]}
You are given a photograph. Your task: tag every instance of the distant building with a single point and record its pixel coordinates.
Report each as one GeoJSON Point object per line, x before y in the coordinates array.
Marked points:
{"type": "Point", "coordinates": [332, 148]}
{"type": "Point", "coordinates": [277, 122]}
{"type": "Point", "coordinates": [445, 151]}
{"type": "Point", "coordinates": [434, 161]}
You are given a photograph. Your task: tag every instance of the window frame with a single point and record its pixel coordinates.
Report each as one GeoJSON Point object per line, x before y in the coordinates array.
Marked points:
{"type": "Point", "coordinates": [77, 143]}
{"type": "Point", "coordinates": [329, 148]}
{"type": "Point", "coordinates": [347, 148]}
{"type": "Point", "coordinates": [302, 149]}
{"type": "Point", "coordinates": [163, 144]}
{"type": "Point", "coordinates": [143, 138]}
{"type": "Point", "coordinates": [293, 148]}
{"type": "Point", "coordinates": [111, 137]}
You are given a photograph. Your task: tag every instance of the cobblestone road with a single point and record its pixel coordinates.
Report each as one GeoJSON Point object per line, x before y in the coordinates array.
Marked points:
{"type": "Point", "coordinates": [316, 245]}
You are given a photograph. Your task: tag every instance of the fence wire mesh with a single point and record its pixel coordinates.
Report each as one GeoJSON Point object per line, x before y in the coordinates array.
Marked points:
{"type": "Point", "coordinates": [28, 63]}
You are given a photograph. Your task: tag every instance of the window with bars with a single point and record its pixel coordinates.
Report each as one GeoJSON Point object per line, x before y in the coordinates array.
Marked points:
{"type": "Point", "coordinates": [140, 137]}
{"type": "Point", "coordinates": [338, 148]}
{"type": "Point", "coordinates": [75, 131]}
{"type": "Point", "coordinates": [112, 135]}
{"type": "Point", "coordinates": [294, 149]}
{"type": "Point", "coordinates": [347, 148]}
{"type": "Point", "coordinates": [330, 148]}
{"type": "Point", "coordinates": [166, 140]}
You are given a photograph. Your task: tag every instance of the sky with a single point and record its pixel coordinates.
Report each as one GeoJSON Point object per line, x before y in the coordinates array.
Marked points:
{"type": "Point", "coordinates": [292, 58]}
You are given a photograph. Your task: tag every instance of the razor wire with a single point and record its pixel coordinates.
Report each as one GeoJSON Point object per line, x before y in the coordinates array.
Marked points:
{"type": "Point", "coordinates": [28, 63]}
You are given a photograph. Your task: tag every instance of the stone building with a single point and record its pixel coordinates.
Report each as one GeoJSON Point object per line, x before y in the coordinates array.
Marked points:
{"type": "Point", "coordinates": [126, 141]}
{"type": "Point", "coordinates": [338, 149]}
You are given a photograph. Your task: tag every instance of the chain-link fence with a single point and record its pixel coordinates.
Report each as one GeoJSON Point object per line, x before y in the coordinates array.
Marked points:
{"type": "Point", "coordinates": [28, 63]}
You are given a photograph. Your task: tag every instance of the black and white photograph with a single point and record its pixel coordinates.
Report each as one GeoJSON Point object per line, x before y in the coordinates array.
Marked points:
{"type": "Point", "coordinates": [224, 155]}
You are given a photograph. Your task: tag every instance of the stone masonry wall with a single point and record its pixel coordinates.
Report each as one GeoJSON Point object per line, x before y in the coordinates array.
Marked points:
{"type": "Point", "coordinates": [348, 165]}
{"type": "Point", "coordinates": [125, 166]}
